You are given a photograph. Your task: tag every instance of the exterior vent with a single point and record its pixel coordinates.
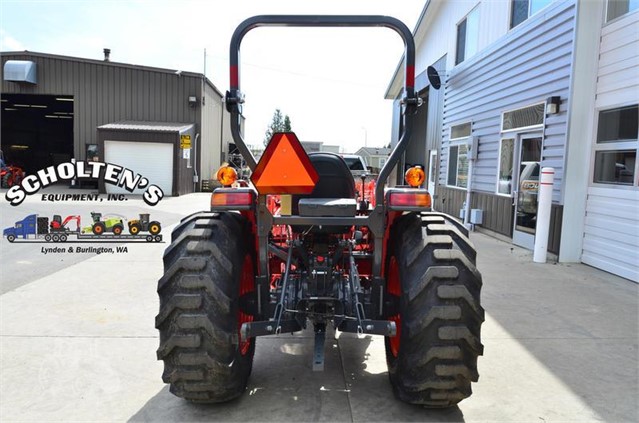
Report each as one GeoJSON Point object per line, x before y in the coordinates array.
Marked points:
{"type": "Point", "coordinates": [20, 71]}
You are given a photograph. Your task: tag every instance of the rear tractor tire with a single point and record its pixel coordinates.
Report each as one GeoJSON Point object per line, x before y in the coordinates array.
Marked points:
{"type": "Point", "coordinates": [135, 228]}
{"type": "Point", "coordinates": [99, 228]}
{"type": "Point", "coordinates": [155, 228]}
{"type": "Point", "coordinates": [205, 296]}
{"type": "Point", "coordinates": [435, 286]}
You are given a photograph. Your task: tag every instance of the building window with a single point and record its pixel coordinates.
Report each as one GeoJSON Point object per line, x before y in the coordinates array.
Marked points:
{"type": "Point", "coordinates": [458, 155]}
{"type": "Point", "coordinates": [525, 118]}
{"type": "Point", "coordinates": [460, 131]}
{"type": "Point", "coordinates": [618, 8]}
{"type": "Point", "coordinates": [458, 165]}
{"type": "Point", "coordinates": [467, 36]}
{"type": "Point", "coordinates": [523, 9]}
{"type": "Point", "coordinates": [506, 157]}
{"type": "Point", "coordinates": [616, 146]}
{"type": "Point", "coordinates": [618, 125]}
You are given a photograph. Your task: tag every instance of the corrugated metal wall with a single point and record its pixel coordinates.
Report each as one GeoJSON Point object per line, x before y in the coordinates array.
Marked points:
{"type": "Point", "coordinates": [107, 92]}
{"type": "Point", "coordinates": [529, 64]}
{"type": "Point", "coordinates": [210, 139]}
{"type": "Point", "coordinates": [498, 212]}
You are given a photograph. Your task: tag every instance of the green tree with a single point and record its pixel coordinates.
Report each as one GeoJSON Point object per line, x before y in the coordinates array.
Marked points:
{"type": "Point", "coordinates": [279, 123]}
{"type": "Point", "coordinates": [287, 124]}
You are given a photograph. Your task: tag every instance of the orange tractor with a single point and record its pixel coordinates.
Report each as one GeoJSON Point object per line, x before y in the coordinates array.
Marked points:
{"type": "Point", "coordinates": [144, 224]}
{"type": "Point", "coordinates": [294, 248]}
{"type": "Point", "coordinates": [10, 175]}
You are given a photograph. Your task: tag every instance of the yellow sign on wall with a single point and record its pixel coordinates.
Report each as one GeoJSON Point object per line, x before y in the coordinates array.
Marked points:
{"type": "Point", "coordinates": [185, 141]}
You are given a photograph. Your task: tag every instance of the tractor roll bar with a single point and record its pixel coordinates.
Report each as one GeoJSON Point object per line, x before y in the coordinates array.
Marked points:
{"type": "Point", "coordinates": [234, 97]}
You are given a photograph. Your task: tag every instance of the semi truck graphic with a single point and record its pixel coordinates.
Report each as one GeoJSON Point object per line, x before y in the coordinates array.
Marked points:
{"type": "Point", "coordinates": [36, 227]}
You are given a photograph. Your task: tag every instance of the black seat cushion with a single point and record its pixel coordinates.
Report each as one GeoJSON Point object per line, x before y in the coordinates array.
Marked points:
{"type": "Point", "coordinates": [335, 179]}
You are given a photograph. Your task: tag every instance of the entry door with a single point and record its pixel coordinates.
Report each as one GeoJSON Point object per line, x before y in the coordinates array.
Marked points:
{"type": "Point", "coordinates": [527, 188]}
{"type": "Point", "coordinates": [432, 170]}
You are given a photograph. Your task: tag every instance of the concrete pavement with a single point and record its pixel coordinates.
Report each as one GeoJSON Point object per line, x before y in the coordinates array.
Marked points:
{"type": "Point", "coordinates": [78, 344]}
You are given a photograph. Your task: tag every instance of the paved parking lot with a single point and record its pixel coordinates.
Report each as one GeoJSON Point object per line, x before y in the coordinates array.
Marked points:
{"type": "Point", "coordinates": [77, 343]}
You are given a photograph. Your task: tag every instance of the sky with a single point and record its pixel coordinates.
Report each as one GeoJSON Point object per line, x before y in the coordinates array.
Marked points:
{"type": "Point", "coordinates": [331, 82]}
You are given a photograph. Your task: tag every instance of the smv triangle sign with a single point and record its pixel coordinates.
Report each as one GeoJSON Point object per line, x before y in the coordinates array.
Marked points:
{"type": "Point", "coordinates": [284, 168]}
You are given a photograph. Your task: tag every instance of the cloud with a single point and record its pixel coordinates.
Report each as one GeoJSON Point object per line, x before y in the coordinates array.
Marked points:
{"type": "Point", "coordinates": [8, 43]}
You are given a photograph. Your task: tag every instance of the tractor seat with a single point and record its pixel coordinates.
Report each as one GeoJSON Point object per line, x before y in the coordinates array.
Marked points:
{"type": "Point", "coordinates": [335, 179]}
{"type": "Point", "coordinates": [335, 183]}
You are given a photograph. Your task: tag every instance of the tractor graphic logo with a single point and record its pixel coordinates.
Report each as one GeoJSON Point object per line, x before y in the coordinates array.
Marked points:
{"type": "Point", "coordinates": [110, 227]}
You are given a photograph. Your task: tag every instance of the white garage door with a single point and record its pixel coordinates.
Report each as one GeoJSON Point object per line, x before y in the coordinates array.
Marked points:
{"type": "Point", "coordinates": [611, 231]}
{"type": "Point", "coordinates": [152, 160]}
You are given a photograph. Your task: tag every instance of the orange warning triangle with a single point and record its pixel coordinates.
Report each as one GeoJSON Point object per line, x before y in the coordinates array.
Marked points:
{"type": "Point", "coordinates": [284, 168]}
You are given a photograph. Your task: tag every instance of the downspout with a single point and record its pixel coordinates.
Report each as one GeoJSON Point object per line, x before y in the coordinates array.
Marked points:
{"type": "Point", "coordinates": [196, 178]}
{"type": "Point", "coordinates": [469, 183]}
{"type": "Point", "coordinates": [471, 154]}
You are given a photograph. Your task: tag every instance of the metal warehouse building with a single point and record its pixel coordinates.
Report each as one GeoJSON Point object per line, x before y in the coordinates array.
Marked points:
{"type": "Point", "coordinates": [168, 125]}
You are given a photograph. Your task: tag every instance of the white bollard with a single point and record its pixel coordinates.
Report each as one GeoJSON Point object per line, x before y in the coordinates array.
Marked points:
{"type": "Point", "coordinates": [544, 203]}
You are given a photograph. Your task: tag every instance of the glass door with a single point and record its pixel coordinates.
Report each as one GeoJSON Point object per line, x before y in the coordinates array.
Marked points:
{"type": "Point", "coordinates": [526, 189]}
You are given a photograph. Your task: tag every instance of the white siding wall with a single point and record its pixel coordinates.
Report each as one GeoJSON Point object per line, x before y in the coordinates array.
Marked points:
{"type": "Point", "coordinates": [524, 67]}
{"type": "Point", "coordinates": [618, 76]}
{"type": "Point", "coordinates": [611, 227]}
{"type": "Point", "coordinates": [438, 33]}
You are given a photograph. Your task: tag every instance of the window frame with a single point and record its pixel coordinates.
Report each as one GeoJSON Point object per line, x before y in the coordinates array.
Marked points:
{"type": "Point", "coordinates": [523, 128]}
{"type": "Point", "coordinates": [608, 21]}
{"type": "Point", "coordinates": [455, 125]}
{"type": "Point", "coordinates": [528, 14]}
{"type": "Point", "coordinates": [456, 142]}
{"type": "Point", "coordinates": [456, 145]}
{"type": "Point", "coordinates": [622, 145]}
{"type": "Point", "coordinates": [475, 9]}
{"type": "Point", "coordinates": [512, 168]}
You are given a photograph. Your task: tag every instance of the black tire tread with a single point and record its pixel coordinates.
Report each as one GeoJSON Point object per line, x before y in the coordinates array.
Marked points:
{"type": "Point", "coordinates": [198, 307]}
{"type": "Point", "coordinates": [441, 311]}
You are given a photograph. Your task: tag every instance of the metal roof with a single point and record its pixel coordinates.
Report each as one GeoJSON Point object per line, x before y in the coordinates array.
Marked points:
{"type": "Point", "coordinates": [27, 54]}
{"type": "Point", "coordinates": [375, 151]}
{"type": "Point", "coordinates": [129, 125]}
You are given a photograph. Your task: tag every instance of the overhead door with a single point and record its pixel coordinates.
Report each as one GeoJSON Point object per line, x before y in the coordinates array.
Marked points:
{"type": "Point", "coordinates": [152, 160]}
{"type": "Point", "coordinates": [611, 231]}
{"type": "Point", "coordinates": [611, 227]}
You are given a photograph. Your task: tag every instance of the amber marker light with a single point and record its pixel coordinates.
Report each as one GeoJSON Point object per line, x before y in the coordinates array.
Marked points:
{"type": "Point", "coordinates": [226, 175]}
{"type": "Point", "coordinates": [415, 176]}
